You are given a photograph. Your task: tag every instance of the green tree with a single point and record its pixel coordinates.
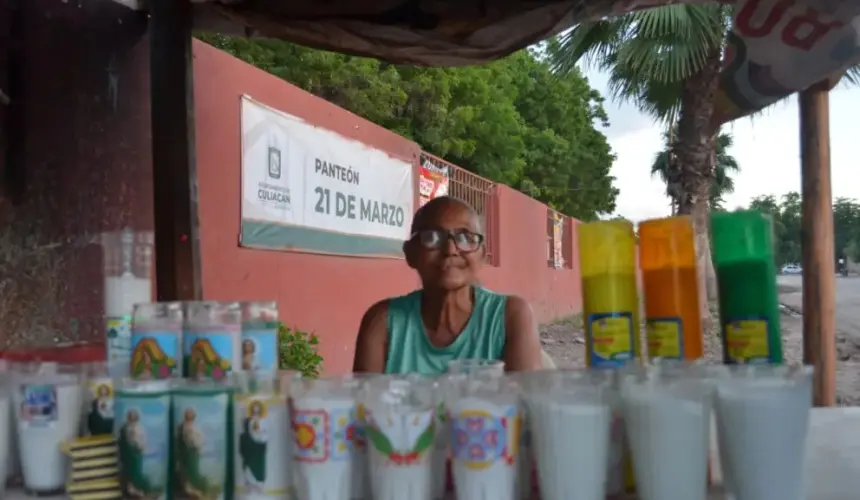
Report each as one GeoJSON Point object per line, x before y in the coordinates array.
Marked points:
{"type": "Point", "coordinates": [513, 121]}
{"type": "Point", "coordinates": [846, 228]}
{"type": "Point", "coordinates": [787, 226]}
{"type": "Point", "coordinates": [769, 205]}
{"type": "Point", "coordinates": [786, 215]}
{"type": "Point", "coordinates": [722, 183]}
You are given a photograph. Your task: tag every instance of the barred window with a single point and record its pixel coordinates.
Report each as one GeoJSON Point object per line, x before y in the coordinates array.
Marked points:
{"type": "Point", "coordinates": [559, 245]}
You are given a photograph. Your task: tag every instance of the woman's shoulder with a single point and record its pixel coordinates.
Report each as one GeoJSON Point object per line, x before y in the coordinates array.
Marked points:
{"type": "Point", "coordinates": [517, 309]}
{"type": "Point", "coordinates": [384, 305]}
{"type": "Point", "coordinates": [499, 301]}
{"type": "Point", "coordinates": [379, 311]}
{"type": "Point", "coordinates": [491, 295]}
{"type": "Point", "coordinates": [376, 313]}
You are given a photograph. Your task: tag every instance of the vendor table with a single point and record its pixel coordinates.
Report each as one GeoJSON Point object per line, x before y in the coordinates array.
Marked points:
{"type": "Point", "coordinates": [832, 462]}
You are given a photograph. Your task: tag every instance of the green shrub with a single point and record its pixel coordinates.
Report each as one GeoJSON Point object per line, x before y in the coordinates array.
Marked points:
{"type": "Point", "coordinates": [297, 350]}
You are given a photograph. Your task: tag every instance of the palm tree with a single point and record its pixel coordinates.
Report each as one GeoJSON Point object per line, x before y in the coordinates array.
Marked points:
{"type": "Point", "coordinates": [852, 76]}
{"type": "Point", "coordinates": [722, 182]}
{"type": "Point", "coordinates": [666, 61]}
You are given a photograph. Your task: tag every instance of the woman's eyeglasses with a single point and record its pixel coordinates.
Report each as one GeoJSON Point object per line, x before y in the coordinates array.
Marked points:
{"type": "Point", "coordinates": [434, 239]}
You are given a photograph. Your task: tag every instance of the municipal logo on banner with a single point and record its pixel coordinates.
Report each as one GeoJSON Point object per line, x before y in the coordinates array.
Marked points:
{"type": "Point", "coordinates": [272, 190]}
{"type": "Point", "coordinates": [274, 162]}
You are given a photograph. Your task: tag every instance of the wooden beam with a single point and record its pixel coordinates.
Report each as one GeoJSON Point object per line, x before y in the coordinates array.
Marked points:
{"type": "Point", "coordinates": [174, 169]}
{"type": "Point", "coordinates": [819, 284]}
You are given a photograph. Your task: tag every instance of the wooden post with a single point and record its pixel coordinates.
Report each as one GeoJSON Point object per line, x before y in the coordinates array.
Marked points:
{"type": "Point", "coordinates": [174, 169]}
{"type": "Point", "coordinates": [819, 285]}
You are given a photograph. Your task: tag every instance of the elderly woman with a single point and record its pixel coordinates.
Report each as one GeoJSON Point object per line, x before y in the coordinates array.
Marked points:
{"type": "Point", "coordinates": [451, 316]}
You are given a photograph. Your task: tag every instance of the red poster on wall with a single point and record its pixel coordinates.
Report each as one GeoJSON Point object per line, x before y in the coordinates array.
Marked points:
{"type": "Point", "coordinates": [433, 180]}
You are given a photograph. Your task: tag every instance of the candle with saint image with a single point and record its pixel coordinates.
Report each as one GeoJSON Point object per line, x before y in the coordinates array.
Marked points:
{"type": "Point", "coordinates": [263, 438]}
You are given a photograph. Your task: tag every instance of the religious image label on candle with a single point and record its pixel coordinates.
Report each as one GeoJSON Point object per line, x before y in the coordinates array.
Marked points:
{"type": "Point", "coordinates": [747, 341]}
{"type": "Point", "coordinates": [259, 338]}
{"type": "Point", "coordinates": [100, 407]}
{"type": "Point", "coordinates": [259, 350]}
{"type": "Point", "coordinates": [665, 338]}
{"type": "Point", "coordinates": [263, 447]}
{"type": "Point", "coordinates": [201, 448]}
{"type": "Point", "coordinates": [143, 434]}
{"type": "Point", "coordinates": [611, 339]}
{"type": "Point", "coordinates": [153, 355]}
{"type": "Point", "coordinates": [207, 355]}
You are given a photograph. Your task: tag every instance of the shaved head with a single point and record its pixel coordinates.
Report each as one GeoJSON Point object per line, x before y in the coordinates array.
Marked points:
{"type": "Point", "coordinates": [428, 216]}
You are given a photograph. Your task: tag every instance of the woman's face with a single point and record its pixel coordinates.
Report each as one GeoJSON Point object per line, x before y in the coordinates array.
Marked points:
{"type": "Point", "coordinates": [447, 247]}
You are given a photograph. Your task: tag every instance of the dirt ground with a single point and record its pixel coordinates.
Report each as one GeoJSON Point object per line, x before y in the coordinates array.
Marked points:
{"type": "Point", "coordinates": [564, 341]}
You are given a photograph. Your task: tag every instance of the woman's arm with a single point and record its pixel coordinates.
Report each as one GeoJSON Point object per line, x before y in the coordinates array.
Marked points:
{"type": "Point", "coordinates": [371, 346]}
{"type": "Point", "coordinates": [523, 351]}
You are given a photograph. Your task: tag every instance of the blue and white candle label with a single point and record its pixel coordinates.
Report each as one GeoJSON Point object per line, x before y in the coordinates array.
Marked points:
{"type": "Point", "coordinates": [143, 436]}
{"type": "Point", "coordinates": [260, 350]}
{"type": "Point", "coordinates": [611, 339]}
{"type": "Point", "coordinates": [38, 405]}
{"type": "Point", "coordinates": [201, 445]}
{"type": "Point", "coordinates": [481, 438]}
{"type": "Point", "coordinates": [207, 356]}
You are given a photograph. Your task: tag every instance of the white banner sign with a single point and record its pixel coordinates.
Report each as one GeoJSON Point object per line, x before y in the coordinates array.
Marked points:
{"type": "Point", "coordinates": [297, 174]}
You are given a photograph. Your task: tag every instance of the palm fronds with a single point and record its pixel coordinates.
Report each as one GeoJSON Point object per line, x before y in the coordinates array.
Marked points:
{"type": "Point", "coordinates": [648, 54]}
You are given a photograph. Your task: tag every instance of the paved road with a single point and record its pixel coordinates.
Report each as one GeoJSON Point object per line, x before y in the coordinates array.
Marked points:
{"type": "Point", "coordinates": [847, 332]}
{"type": "Point", "coordinates": [847, 301]}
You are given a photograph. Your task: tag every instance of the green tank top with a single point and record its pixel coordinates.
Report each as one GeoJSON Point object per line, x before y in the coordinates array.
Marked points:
{"type": "Point", "coordinates": [410, 351]}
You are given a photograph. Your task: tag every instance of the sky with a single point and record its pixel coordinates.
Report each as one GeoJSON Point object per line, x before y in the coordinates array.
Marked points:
{"type": "Point", "coordinates": [767, 149]}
